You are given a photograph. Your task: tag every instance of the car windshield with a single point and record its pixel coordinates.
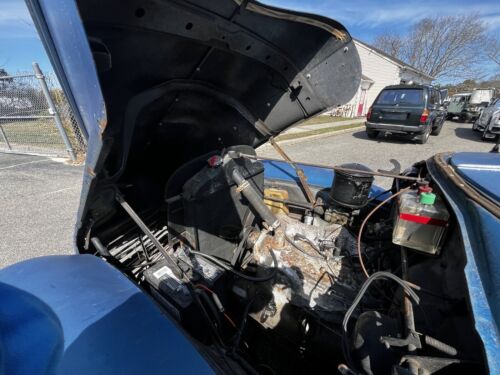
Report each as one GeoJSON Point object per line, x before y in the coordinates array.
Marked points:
{"type": "Point", "coordinates": [458, 99]}
{"type": "Point", "coordinates": [408, 97]}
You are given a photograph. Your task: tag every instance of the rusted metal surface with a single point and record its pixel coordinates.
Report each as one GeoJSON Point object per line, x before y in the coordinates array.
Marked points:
{"type": "Point", "coordinates": [321, 281]}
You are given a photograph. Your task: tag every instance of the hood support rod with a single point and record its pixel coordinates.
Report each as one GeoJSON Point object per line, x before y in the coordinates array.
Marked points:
{"type": "Point", "coordinates": [300, 173]}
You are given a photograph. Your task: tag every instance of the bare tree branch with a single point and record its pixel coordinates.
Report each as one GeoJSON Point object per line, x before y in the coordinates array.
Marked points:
{"type": "Point", "coordinates": [390, 43]}
{"type": "Point", "coordinates": [493, 50]}
{"type": "Point", "coordinates": [441, 46]}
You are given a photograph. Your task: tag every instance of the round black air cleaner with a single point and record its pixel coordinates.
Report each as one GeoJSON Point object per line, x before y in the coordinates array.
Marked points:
{"type": "Point", "coordinates": [351, 189]}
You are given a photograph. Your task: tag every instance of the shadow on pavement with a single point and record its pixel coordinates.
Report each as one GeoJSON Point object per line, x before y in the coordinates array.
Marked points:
{"type": "Point", "coordinates": [469, 134]}
{"type": "Point", "coordinates": [382, 138]}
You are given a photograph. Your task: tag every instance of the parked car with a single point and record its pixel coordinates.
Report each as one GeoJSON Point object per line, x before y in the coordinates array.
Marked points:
{"type": "Point", "coordinates": [489, 121]}
{"type": "Point", "coordinates": [479, 100]}
{"type": "Point", "coordinates": [457, 106]}
{"type": "Point", "coordinates": [414, 110]}
{"type": "Point", "coordinates": [445, 99]}
{"type": "Point", "coordinates": [195, 256]}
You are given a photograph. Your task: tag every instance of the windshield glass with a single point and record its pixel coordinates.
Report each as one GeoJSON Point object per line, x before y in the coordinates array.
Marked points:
{"type": "Point", "coordinates": [458, 99]}
{"type": "Point", "coordinates": [407, 97]}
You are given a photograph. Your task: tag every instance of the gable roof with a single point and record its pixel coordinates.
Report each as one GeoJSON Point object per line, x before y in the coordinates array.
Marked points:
{"type": "Point", "coordinates": [395, 60]}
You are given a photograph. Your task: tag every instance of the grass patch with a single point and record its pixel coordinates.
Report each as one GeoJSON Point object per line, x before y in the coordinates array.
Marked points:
{"type": "Point", "coordinates": [321, 119]}
{"type": "Point", "coordinates": [41, 133]}
{"type": "Point", "coordinates": [37, 132]}
{"type": "Point", "coordinates": [331, 129]}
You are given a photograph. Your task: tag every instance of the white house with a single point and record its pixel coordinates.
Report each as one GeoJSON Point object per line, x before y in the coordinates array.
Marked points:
{"type": "Point", "coordinates": [378, 71]}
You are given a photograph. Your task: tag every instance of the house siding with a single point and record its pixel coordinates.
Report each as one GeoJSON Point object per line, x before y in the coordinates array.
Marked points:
{"type": "Point", "coordinates": [383, 72]}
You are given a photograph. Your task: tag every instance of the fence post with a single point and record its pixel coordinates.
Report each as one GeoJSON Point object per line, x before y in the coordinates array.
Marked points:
{"type": "Point", "coordinates": [4, 136]}
{"type": "Point", "coordinates": [53, 110]}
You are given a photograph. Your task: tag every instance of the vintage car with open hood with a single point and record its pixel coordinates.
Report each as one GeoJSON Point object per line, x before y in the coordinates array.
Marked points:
{"type": "Point", "coordinates": [195, 255]}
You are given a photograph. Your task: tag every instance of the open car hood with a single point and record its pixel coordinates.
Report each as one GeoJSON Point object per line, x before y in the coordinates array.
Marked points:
{"type": "Point", "coordinates": [177, 79]}
{"type": "Point", "coordinates": [215, 73]}
{"type": "Point", "coordinates": [182, 78]}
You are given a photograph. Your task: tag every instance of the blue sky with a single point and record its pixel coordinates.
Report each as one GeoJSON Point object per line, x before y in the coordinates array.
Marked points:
{"type": "Point", "coordinates": [20, 45]}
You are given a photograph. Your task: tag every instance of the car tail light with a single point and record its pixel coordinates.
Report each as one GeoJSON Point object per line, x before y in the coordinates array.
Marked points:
{"type": "Point", "coordinates": [369, 113]}
{"type": "Point", "coordinates": [424, 116]}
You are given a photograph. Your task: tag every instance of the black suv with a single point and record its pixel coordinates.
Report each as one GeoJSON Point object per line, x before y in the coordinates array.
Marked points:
{"type": "Point", "coordinates": [415, 110]}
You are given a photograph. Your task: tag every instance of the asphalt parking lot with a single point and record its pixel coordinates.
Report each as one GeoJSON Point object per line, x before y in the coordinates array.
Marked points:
{"type": "Point", "coordinates": [38, 203]}
{"type": "Point", "coordinates": [39, 197]}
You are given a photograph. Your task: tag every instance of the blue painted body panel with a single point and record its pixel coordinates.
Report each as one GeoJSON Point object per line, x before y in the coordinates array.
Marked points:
{"type": "Point", "coordinates": [316, 176]}
{"type": "Point", "coordinates": [482, 170]}
{"type": "Point", "coordinates": [480, 231]}
{"type": "Point", "coordinates": [78, 315]}
{"type": "Point", "coordinates": [60, 27]}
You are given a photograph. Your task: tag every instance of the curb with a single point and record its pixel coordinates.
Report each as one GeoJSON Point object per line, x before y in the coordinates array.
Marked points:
{"type": "Point", "coordinates": [316, 136]}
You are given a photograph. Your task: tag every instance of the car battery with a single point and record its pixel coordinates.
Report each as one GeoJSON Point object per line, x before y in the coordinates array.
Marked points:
{"type": "Point", "coordinates": [421, 221]}
{"type": "Point", "coordinates": [172, 292]}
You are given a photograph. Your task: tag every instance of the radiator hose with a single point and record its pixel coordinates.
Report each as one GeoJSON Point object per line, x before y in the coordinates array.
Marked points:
{"type": "Point", "coordinates": [255, 200]}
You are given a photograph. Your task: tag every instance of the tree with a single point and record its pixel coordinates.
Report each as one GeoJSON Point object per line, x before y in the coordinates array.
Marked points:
{"type": "Point", "coordinates": [391, 44]}
{"type": "Point", "coordinates": [3, 73]}
{"type": "Point", "coordinates": [5, 81]}
{"type": "Point", "coordinates": [492, 50]}
{"type": "Point", "coordinates": [442, 47]}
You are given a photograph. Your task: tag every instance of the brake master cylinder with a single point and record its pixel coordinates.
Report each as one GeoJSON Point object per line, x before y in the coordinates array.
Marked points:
{"type": "Point", "coordinates": [421, 221]}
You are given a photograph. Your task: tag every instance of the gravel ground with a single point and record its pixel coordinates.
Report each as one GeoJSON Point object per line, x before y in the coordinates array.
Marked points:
{"type": "Point", "coordinates": [38, 202]}
{"type": "Point", "coordinates": [378, 153]}
{"type": "Point", "coordinates": [39, 197]}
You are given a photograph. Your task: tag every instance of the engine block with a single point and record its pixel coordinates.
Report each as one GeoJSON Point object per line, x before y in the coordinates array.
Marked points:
{"type": "Point", "coordinates": [313, 273]}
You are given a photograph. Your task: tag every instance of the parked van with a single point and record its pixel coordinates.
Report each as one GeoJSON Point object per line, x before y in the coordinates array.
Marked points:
{"type": "Point", "coordinates": [415, 110]}
{"type": "Point", "coordinates": [479, 100]}
{"type": "Point", "coordinates": [457, 105]}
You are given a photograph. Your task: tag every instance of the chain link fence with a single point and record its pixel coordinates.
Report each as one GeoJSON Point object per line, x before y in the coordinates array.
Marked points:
{"type": "Point", "coordinates": [35, 117]}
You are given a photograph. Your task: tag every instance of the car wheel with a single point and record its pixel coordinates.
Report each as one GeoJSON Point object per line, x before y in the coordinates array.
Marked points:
{"type": "Point", "coordinates": [372, 134]}
{"type": "Point", "coordinates": [437, 129]}
{"type": "Point", "coordinates": [483, 136]}
{"type": "Point", "coordinates": [424, 137]}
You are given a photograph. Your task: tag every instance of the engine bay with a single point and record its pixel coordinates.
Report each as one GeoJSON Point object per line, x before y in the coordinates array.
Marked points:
{"type": "Point", "coordinates": [280, 276]}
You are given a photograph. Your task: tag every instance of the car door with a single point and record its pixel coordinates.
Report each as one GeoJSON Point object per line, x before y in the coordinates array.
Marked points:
{"type": "Point", "coordinates": [439, 107]}
{"type": "Point", "coordinates": [432, 105]}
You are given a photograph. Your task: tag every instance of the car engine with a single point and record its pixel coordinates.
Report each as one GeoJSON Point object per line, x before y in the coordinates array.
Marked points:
{"type": "Point", "coordinates": [282, 276]}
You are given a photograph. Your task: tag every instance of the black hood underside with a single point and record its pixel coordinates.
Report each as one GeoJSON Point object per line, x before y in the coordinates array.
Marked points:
{"type": "Point", "coordinates": [183, 78]}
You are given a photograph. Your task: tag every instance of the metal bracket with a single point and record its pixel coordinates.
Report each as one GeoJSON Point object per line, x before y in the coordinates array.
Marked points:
{"type": "Point", "coordinates": [428, 365]}
{"type": "Point", "coordinates": [412, 339]}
